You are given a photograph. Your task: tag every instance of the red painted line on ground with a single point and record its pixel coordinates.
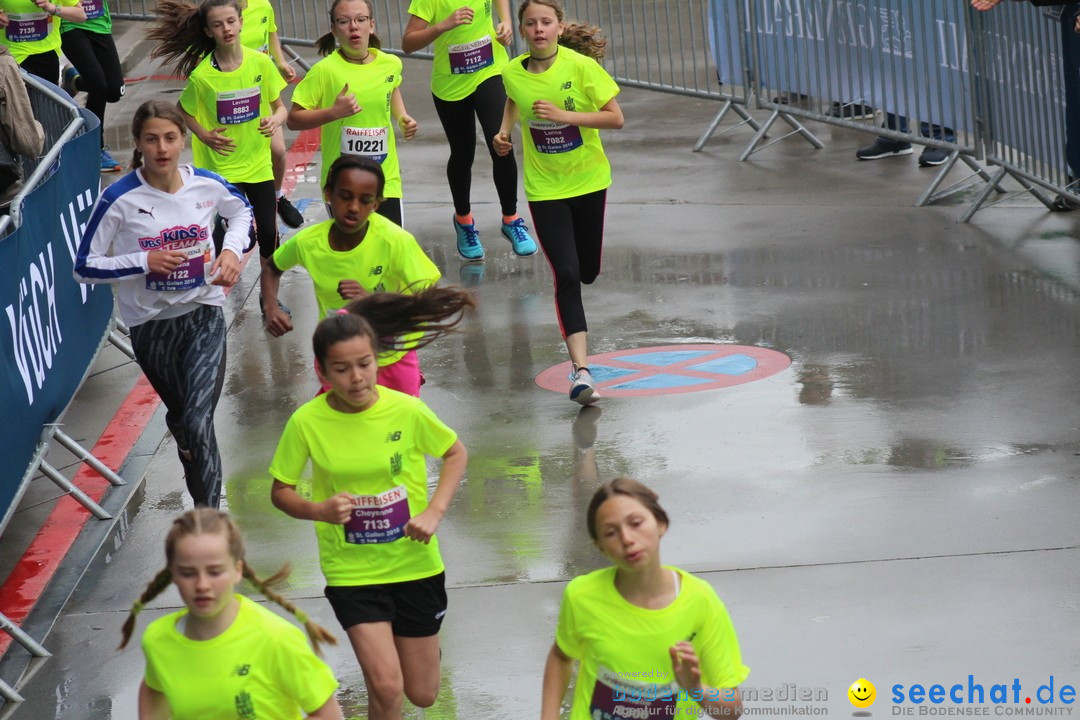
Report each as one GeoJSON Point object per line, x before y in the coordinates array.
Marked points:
{"type": "Point", "coordinates": [41, 560]}
{"type": "Point", "coordinates": [39, 564]}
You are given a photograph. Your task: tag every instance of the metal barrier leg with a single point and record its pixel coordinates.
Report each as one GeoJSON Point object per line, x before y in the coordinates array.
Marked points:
{"type": "Point", "coordinates": [1034, 190]}
{"type": "Point", "coordinates": [759, 136]}
{"type": "Point", "coordinates": [797, 129]}
{"type": "Point", "coordinates": [729, 105]}
{"type": "Point", "coordinates": [117, 340]}
{"type": "Point", "coordinates": [982, 172]}
{"type": "Point", "coordinates": [993, 183]}
{"type": "Point", "coordinates": [8, 693]}
{"type": "Point", "coordinates": [928, 195]}
{"type": "Point", "coordinates": [84, 456]}
{"type": "Point", "coordinates": [82, 498]}
{"type": "Point", "coordinates": [32, 646]}
{"type": "Point", "coordinates": [801, 130]}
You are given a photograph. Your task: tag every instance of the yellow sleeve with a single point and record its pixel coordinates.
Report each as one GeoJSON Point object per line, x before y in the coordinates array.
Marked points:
{"type": "Point", "coordinates": [717, 645]}
{"type": "Point", "coordinates": [566, 634]}
{"type": "Point", "coordinates": [301, 674]}
{"type": "Point", "coordinates": [292, 454]}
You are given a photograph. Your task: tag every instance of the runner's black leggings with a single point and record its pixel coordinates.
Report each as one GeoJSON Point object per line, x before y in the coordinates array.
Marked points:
{"type": "Point", "coordinates": [264, 211]}
{"type": "Point", "coordinates": [459, 124]}
{"type": "Point", "coordinates": [100, 77]}
{"type": "Point", "coordinates": [184, 360]}
{"type": "Point", "coordinates": [571, 232]}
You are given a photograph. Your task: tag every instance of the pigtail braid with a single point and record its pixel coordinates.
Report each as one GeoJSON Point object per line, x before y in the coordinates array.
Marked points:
{"type": "Point", "coordinates": [316, 633]}
{"type": "Point", "coordinates": [326, 44]}
{"type": "Point", "coordinates": [155, 588]}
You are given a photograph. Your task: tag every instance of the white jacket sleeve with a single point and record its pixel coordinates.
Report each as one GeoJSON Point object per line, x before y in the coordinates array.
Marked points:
{"type": "Point", "coordinates": [93, 264]}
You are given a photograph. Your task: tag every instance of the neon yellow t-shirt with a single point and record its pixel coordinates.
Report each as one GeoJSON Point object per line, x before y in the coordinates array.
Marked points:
{"type": "Point", "coordinates": [31, 30]}
{"type": "Point", "coordinates": [388, 259]}
{"type": "Point", "coordinates": [236, 101]}
{"type": "Point", "coordinates": [261, 667]}
{"type": "Point", "coordinates": [378, 456]}
{"type": "Point", "coordinates": [561, 161]}
{"type": "Point", "coordinates": [369, 132]}
{"type": "Point", "coordinates": [465, 56]}
{"type": "Point", "coordinates": [625, 667]}
{"type": "Point", "coordinates": [257, 24]}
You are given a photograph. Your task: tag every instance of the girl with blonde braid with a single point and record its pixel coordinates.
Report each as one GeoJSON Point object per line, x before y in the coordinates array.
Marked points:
{"type": "Point", "coordinates": [224, 656]}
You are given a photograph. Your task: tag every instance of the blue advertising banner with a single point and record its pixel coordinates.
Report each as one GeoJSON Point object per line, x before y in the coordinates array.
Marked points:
{"type": "Point", "coordinates": [52, 325]}
{"type": "Point", "coordinates": [907, 57]}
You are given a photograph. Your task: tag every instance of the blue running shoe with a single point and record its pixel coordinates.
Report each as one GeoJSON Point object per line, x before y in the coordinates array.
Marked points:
{"type": "Point", "coordinates": [582, 387]}
{"type": "Point", "coordinates": [517, 232]}
{"type": "Point", "coordinates": [108, 162]}
{"type": "Point", "coordinates": [68, 79]}
{"type": "Point", "coordinates": [468, 241]}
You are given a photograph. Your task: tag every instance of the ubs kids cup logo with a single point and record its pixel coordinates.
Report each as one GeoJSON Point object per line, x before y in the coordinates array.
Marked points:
{"type": "Point", "coordinates": [175, 238]}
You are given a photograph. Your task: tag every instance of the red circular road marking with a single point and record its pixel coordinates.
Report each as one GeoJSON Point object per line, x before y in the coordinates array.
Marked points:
{"type": "Point", "coordinates": [671, 369]}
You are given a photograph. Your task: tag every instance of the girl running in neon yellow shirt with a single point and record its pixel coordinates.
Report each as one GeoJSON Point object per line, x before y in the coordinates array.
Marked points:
{"type": "Point", "coordinates": [258, 31]}
{"type": "Point", "coordinates": [354, 255]}
{"type": "Point", "coordinates": [563, 96]}
{"type": "Point", "coordinates": [31, 31]}
{"type": "Point", "coordinates": [469, 54]}
{"type": "Point", "coordinates": [653, 641]}
{"type": "Point", "coordinates": [232, 101]}
{"type": "Point", "coordinates": [354, 95]}
{"type": "Point", "coordinates": [193, 656]}
{"type": "Point", "coordinates": [369, 499]}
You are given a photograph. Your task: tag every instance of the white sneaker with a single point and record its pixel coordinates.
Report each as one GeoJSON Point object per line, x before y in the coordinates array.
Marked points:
{"type": "Point", "coordinates": [582, 388]}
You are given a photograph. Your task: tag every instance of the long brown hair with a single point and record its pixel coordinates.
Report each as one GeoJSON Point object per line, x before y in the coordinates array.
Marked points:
{"type": "Point", "coordinates": [384, 316]}
{"type": "Point", "coordinates": [181, 32]}
{"type": "Point", "coordinates": [147, 111]}
{"type": "Point", "coordinates": [207, 520]}
{"type": "Point", "coordinates": [328, 43]}
{"type": "Point", "coordinates": [578, 36]}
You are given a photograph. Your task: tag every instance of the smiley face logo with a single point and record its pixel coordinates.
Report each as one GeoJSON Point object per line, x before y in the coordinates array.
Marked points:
{"type": "Point", "coordinates": [862, 693]}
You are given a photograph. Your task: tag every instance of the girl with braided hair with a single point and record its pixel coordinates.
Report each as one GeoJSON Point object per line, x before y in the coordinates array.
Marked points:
{"type": "Point", "coordinates": [224, 656]}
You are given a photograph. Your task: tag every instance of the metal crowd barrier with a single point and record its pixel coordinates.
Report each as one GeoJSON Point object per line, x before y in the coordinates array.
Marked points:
{"type": "Point", "coordinates": [56, 327]}
{"type": "Point", "coordinates": [838, 62]}
{"type": "Point", "coordinates": [1017, 60]}
{"type": "Point", "coordinates": [905, 61]}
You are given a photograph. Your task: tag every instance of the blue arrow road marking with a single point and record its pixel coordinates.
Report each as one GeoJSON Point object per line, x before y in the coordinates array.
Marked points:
{"type": "Point", "coordinates": [662, 380]}
{"type": "Point", "coordinates": [730, 365]}
{"type": "Point", "coordinates": [664, 358]}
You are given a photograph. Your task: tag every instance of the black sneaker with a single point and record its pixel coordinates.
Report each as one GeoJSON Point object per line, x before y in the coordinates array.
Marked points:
{"type": "Point", "coordinates": [289, 214]}
{"type": "Point", "coordinates": [852, 111]}
{"type": "Point", "coordinates": [932, 156]}
{"type": "Point", "coordinates": [883, 148]}
{"type": "Point", "coordinates": [790, 98]}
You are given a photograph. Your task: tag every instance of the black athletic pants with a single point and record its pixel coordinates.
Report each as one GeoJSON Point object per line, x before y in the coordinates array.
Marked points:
{"type": "Point", "coordinates": [458, 119]}
{"type": "Point", "coordinates": [571, 232]}
{"type": "Point", "coordinates": [100, 77]}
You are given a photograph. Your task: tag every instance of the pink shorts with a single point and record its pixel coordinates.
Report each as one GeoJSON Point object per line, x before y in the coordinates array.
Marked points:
{"type": "Point", "coordinates": [403, 376]}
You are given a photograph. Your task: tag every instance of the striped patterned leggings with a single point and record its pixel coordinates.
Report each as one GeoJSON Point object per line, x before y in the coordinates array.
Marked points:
{"type": "Point", "coordinates": [184, 360]}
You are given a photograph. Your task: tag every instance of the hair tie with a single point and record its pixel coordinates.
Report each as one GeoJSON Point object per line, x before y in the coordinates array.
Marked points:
{"type": "Point", "coordinates": [136, 607]}
{"type": "Point", "coordinates": [302, 617]}
{"type": "Point", "coordinates": [342, 311]}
